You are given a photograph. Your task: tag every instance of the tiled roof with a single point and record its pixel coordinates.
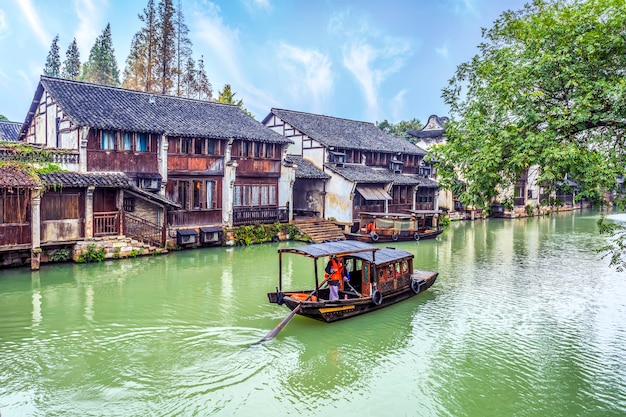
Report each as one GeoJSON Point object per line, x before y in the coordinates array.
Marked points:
{"type": "Point", "coordinates": [12, 177]}
{"type": "Point", "coordinates": [362, 174]}
{"type": "Point", "coordinates": [86, 179]}
{"type": "Point", "coordinates": [427, 182]}
{"type": "Point", "coordinates": [9, 131]}
{"type": "Point", "coordinates": [435, 127]}
{"type": "Point", "coordinates": [305, 169]}
{"type": "Point", "coordinates": [107, 107]}
{"type": "Point", "coordinates": [344, 133]}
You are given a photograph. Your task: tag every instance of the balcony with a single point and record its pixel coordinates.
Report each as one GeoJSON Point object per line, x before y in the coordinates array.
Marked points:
{"type": "Point", "coordinates": [259, 215]}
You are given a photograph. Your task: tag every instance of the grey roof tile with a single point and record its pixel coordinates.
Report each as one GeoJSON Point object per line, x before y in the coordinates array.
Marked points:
{"type": "Point", "coordinates": [107, 107]}
{"type": "Point", "coordinates": [86, 179]}
{"type": "Point", "coordinates": [344, 133]}
{"type": "Point", "coordinates": [305, 169]}
{"type": "Point", "coordinates": [9, 131]}
{"type": "Point", "coordinates": [362, 174]}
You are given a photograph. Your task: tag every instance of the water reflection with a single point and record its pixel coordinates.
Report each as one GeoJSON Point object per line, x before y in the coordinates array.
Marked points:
{"type": "Point", "coordinates": [524, 319]}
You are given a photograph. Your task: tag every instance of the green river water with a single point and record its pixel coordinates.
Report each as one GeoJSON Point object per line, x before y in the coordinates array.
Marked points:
{"type": "Point", "coordinates": [525, 319]}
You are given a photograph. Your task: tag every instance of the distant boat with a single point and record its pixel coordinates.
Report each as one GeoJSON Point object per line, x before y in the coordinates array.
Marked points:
{"type": "Point", "coordinates": [379, 277]}
{"type": "Point", "coordinates": [392, 227]}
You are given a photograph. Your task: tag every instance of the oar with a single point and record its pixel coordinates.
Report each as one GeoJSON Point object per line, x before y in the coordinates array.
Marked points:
{"type": "Point", "coordinates": [272, 334]}
{"type": "Point", "coordinates": [352, 288]}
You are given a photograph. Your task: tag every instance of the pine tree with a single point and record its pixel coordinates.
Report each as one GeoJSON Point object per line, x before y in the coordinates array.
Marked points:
{"type": "Point", "coordinates": [53, 61]}
{"type": "Point", "coordinates": [101, 68]}
{"type": "Point", "coordinates": [141, 64]}
{"type": "Point", "coordinates": [183, 49]}
{"type": "Point", "coordinates": [228, 97]}
{"type": "Point", "coordinates": [166, 45]}
{"type": "Point", "coordinates": [71, 66]}
{"type": "Point", "coordinates": [189, 83]}
{"type": "Point", "coordinates": [204, 89]}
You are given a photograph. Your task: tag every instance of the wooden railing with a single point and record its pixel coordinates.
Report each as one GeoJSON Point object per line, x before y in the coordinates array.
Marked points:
{"type": "Point", "coordinates": [106, 223]}
{"type": "Point", "coordinates": [258, 215]}
{"type": "Point", "coordinates": [193, 218]}
{"type": "Point", "coordinates": [143, 230]}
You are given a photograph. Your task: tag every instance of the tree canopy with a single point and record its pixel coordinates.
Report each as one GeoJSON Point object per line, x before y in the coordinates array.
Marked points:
{"type": "Point", "coordinates": [71, 65]}
{"type": "Point", "coordinates": [228, 97]}
{"type": "Point", "coordinates": [53, 61]}
{"type": "Point", "coordinates": [401, 128]}
{"type": "Point", "coordinates": [101, 67]}
{"type": "Point", "coordinates": [547, 90]}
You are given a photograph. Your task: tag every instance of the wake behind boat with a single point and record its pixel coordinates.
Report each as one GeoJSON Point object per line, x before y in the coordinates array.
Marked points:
{"type": "Point", "coordinates": [378, 277]}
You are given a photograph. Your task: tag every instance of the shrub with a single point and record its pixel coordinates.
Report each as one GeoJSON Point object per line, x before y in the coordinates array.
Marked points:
{"type": "Point", "coordinates": [92, 254]}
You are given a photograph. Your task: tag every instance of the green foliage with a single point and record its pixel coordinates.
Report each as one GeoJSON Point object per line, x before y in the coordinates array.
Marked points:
{"type": "Point", "coordinates": [101, 67]}
{"type": "Point", "coordinates": [3, 118]}
{"type": "Point", "coordinates": [117, 253]}
{"type": "Point", "coordinates": [546, 90]}
{"type": "Point", "coordinates": [401, 128]}
{"type": "Point", "coordinates": [71, 65]}
{"type": "Point", "coordinates": [29, 159]}
{"type": "Point", "coordinates": [615, 248]}
{"type": "Point", "coordinates": [444, 221]}
{"type": "Point", "coordinates": [53, 61]}
{"type": "Point", "coordinates": [262, 233]}
{"type": "Point", "coordinates": [228, 97]}
{"type": "Point", "coordinates": [530, 210]}
{"type": "Point", "coordinates": [92, 254]}
{"type": "Point", "coordinates": [61, 255]}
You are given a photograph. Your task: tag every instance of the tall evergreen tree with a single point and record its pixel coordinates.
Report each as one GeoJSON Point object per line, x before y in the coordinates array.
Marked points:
{"type": "Point", "coordinates": [141, 63]}
{"type": "Point", "coordinates": [101, 68]}
{"type": "Point", "coordinates": [189, 86]}
{"type": "Point", "coordinates": [183, 49]}
{"type": "Point", "coordinates": [71, 66]}
{"type": "Point", "coordinates": [204, 89]}
{"type": "Point", "coordinates": [53, 61]}
{"type": "Point", "coordinates": [228, 97]}
{"type": "Point", "coordinates": [166, 45]}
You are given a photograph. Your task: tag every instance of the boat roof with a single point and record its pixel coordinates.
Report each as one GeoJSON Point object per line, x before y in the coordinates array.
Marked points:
{"type": "Point", "coordinates": [352, 248]}
{"type": "Point", "coordinates": [424, 211]}
{"type": "Point", "coordinates": [336, 248]}
{"type": "Point", "coordinates": [381, 214]}
{"type": "Point", "coordinates": [385, 255]}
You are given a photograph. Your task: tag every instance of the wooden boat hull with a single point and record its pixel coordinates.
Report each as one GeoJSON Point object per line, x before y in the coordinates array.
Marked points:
{"type": "Point", "coordinates": [402, 236]}
{"type": "Point", "coordinates": [330, 311]}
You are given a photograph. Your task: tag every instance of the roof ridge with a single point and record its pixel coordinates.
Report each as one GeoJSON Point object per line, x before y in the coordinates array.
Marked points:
{"type": "Point", "coordinates": [323, 115]}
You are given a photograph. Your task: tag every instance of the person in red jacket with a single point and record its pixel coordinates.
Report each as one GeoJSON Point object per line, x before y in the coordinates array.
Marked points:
{"type": "Point", "coordinates": [336, 271]}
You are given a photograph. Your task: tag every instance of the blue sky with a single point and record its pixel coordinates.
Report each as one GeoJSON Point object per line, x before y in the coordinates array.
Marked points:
{"type": "Point", "coordinates": [367, 60]}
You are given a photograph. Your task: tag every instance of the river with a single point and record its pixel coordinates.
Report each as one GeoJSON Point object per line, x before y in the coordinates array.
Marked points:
{"type": "Point", "coordinates": [525, 319]}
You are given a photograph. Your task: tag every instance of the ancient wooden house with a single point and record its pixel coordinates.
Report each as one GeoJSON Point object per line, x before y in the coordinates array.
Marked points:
{"type": "Point", "coordinates": [187, 169]}
{"type": "Point", "coordinates": [367, 169]}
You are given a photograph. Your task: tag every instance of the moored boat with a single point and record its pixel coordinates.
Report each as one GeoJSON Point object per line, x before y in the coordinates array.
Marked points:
{"type": "Point", "coordinates": [392, 227]}
{"type": "Point", "coordinates": [378, 277]}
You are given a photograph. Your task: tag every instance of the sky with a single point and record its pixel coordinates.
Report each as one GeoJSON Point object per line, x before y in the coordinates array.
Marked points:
{"type": "Point", "coordinates": [367, 60]}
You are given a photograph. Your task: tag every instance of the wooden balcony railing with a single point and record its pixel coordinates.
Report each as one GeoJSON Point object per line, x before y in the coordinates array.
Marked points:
{"type": "Point", "coordinates": [106, 223]}
{"type": "Point", "coordinates": [259, 215]}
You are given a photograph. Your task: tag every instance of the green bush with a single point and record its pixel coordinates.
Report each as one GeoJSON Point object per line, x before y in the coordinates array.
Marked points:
{"type": "Point", "coordinates": [92, 254]}
{"type": "Point", "coordinates": [61, 255]}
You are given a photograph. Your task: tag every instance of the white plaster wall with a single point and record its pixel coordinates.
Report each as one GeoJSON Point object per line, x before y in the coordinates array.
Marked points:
{"type": "Point", "coordinates": [339, 199]}
{"type": "Point", "coordinates": [315, 156]}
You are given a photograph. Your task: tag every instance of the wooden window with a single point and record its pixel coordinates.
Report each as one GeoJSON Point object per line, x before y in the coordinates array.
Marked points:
{"type": "Point", "coordinates": [258, 146]}
{"type": "Point", "coordinates": [129, 204]}
{"type": "Point", "coordinates": [245, 148]}
{"type": "Point", "coordinates": [269, 150]}
{"type": "Point", "coordinates": [211, 194]}
{"type": "Point", "coordinates": [13, 208]}
{"type": "Point", "coordinates": [141, 142]}
{"type": "Point", "coordinates": [127, 141]}
{"type": "Point", "coordinates": [183, 192]}
{"type": "Point", "coordinates": [198, 146]}
{"type": "Point", "coordinates": [108, 140]}
{"type": "Point", "coordinates": [238, 191]}
{"type": "Point", "coordinates": [212, 148]}
{"type": "Point", "coordinates": [59, 206]}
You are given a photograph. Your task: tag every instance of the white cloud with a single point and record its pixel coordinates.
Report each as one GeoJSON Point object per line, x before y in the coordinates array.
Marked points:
{"type": "Point", "coordinates": [222, 43]}
{"type": "Point", "coordinates": [36, 26]}
{"type": "Point", "coordinates": [397, 105]}
{"type": "Point", "coordinates": [89, 23]}
{"type": "Point", "coordinates": [442, 51]}
{"type": "Point", "coordinates": [253, 5]}
{"type": "Point", "coordinates": [371, 65]}
{"type": "Point", "coordinates": [307, 74]}
{"type": "Point", "coordinates": [4, 26]}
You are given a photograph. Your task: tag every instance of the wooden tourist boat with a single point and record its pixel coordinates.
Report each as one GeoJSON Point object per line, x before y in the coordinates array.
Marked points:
{"type": "Point", "coordinates": [392, 227]}
{"type": "Point", "coordinates": [379, 277]}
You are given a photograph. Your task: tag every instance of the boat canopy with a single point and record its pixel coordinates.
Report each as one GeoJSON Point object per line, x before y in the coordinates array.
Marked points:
{"type": "Point", "coordinates": [337, 248]}
{"type": "Point", "coordinates": [385, 255]}
{"type": "Point", "coordinates": [426, 212]}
